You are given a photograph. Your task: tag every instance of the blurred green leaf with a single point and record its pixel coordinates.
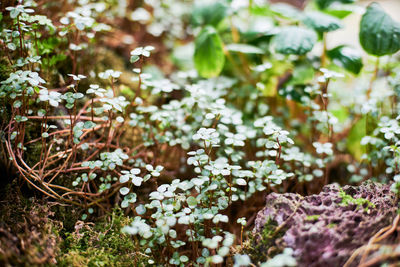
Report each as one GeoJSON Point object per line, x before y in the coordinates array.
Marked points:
{"type": "Point", "coordinates": [294, 40]}
{"type": "Point", "coordinates": [379, 33]}
{"type": "Point", "coordinates": [322, 22]}
{"type": "Point", "coordinates": [56, 58]}
{"type": "Point", "coordinates": [357, 132]}
{"type": "Point", "coordinates": [322, 4]}
{"type": "Point", "coordinates": [209, 55]}
{"type": "Point", "coordinates": [341, 114]}
{"type": "Point", "coordinates": [346, 57]}
{"type": "Point", "coordinates": [341, 11]}
{"type": "Point", "coordinates": [302, 75]}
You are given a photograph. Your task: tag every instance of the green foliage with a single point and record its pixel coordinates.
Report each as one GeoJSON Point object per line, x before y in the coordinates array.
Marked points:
{"type": "Point", "coordinates": [303, 74]}
{"type": "Point", "coordinates": [294, 41]}
{"type": "Point", "coordinates": [379, 33]}
{"type": "Point", "coordinates": [356, 134]}
{"type": "Point", "coordinates": [322, 22]}
{"type": "Point", "coordinates": [346, 57]}
{"type": "Point", "coordinates": [29, 222]}
{"type": "Point", "coordinates": [209, 55]}
{"type": "Point", "coordinates": [323, 4]}
{"type": "Point", "coordinates": [181, 149]}
{"type": "Point", "coordinates": [101, 244]}
{"type": "Point", "coordinates": [265, 245]}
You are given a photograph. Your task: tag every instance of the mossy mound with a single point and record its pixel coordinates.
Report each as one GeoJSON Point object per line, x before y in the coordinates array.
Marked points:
{"type": "Point", "coordinates": [41, 233]}
{"type": "Point", "coordinates": [100, 244]}
{"type": "Point", "coordinates": [28, 234]}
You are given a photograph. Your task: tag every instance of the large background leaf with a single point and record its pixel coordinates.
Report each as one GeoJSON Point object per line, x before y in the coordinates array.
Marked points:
{"type": "Point", "coordinates": [346, 57]}
{"type": "Point", "coordinates": [209, 55]}
{"type": "Point", "coordinates": [295, 40]}
{"type": "Point", "coordinates": [379, 33]}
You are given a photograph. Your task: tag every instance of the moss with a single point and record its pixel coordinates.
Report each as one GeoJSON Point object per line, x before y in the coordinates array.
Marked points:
{"type": "Point", "coordinates": [34, 234]}
{"type": "Point", "coordinates": [267, 244]}
{"type": "Point", "coordinates": [312, 217]}
{"type": "Point", "coordinates": [101, 244]}
{"type": "Point", "coordinates": [360, 202]}
{"type": "Point", "coordinates": [332, 225]}
{"type": "Point", "coordinates": [28, 234]}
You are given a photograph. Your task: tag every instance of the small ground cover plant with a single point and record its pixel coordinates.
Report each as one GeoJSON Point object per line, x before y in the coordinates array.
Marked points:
{"type": "Point", "coordinates": [194, 115]}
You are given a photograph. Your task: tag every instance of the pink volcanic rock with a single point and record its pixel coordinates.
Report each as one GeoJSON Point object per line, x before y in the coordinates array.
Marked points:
{"type": "Point", "coordinates": [330, 238]}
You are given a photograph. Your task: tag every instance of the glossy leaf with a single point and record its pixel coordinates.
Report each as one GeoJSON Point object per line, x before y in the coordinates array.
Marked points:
{"type": "Point", "coordinates": [346, 57]}
{"type": "Point", "coordinates": [379, 33]}
{"type": "Point", "coordinates": [295, 40]}
{"type": "Point", "coordinates": [322, 22]}
{"type": "Point", "coordinates": [209, 55]}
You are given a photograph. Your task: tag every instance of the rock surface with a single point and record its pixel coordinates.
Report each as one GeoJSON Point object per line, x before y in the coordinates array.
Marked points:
{"type": "Point", "coordinates": [322, 229]}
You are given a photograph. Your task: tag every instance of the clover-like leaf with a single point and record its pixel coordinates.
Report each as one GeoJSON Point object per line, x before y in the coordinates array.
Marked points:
{"type": "Point", "coordinates": [124, 190]}
{"type": "Point", "coordinates": [192, 201]}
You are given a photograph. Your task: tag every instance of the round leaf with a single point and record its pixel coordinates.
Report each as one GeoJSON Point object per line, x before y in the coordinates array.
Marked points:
{"type": "Point", "coordinates": [124, 204]}
{"type": "Point", "coordinates": [209, 55]}
{"type": "Point", "coordinates": [346, 57]}
{"type": "Point", "coordinates": [241, 181]}
{"type": "Point", "coordinates": [295, 40]}
{"type": "Point", "coordinates": [124, 190]}
{"type": "Point", "coordinates": [379, 33]}
{"type": "Point", "coordinates": [140, 209]}
{"type": "Point", "coordinates": [192, 201]}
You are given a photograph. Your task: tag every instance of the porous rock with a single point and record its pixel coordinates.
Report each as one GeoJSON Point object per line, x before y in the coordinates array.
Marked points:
{"type": "Point", "coordinates": [323, 231]}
